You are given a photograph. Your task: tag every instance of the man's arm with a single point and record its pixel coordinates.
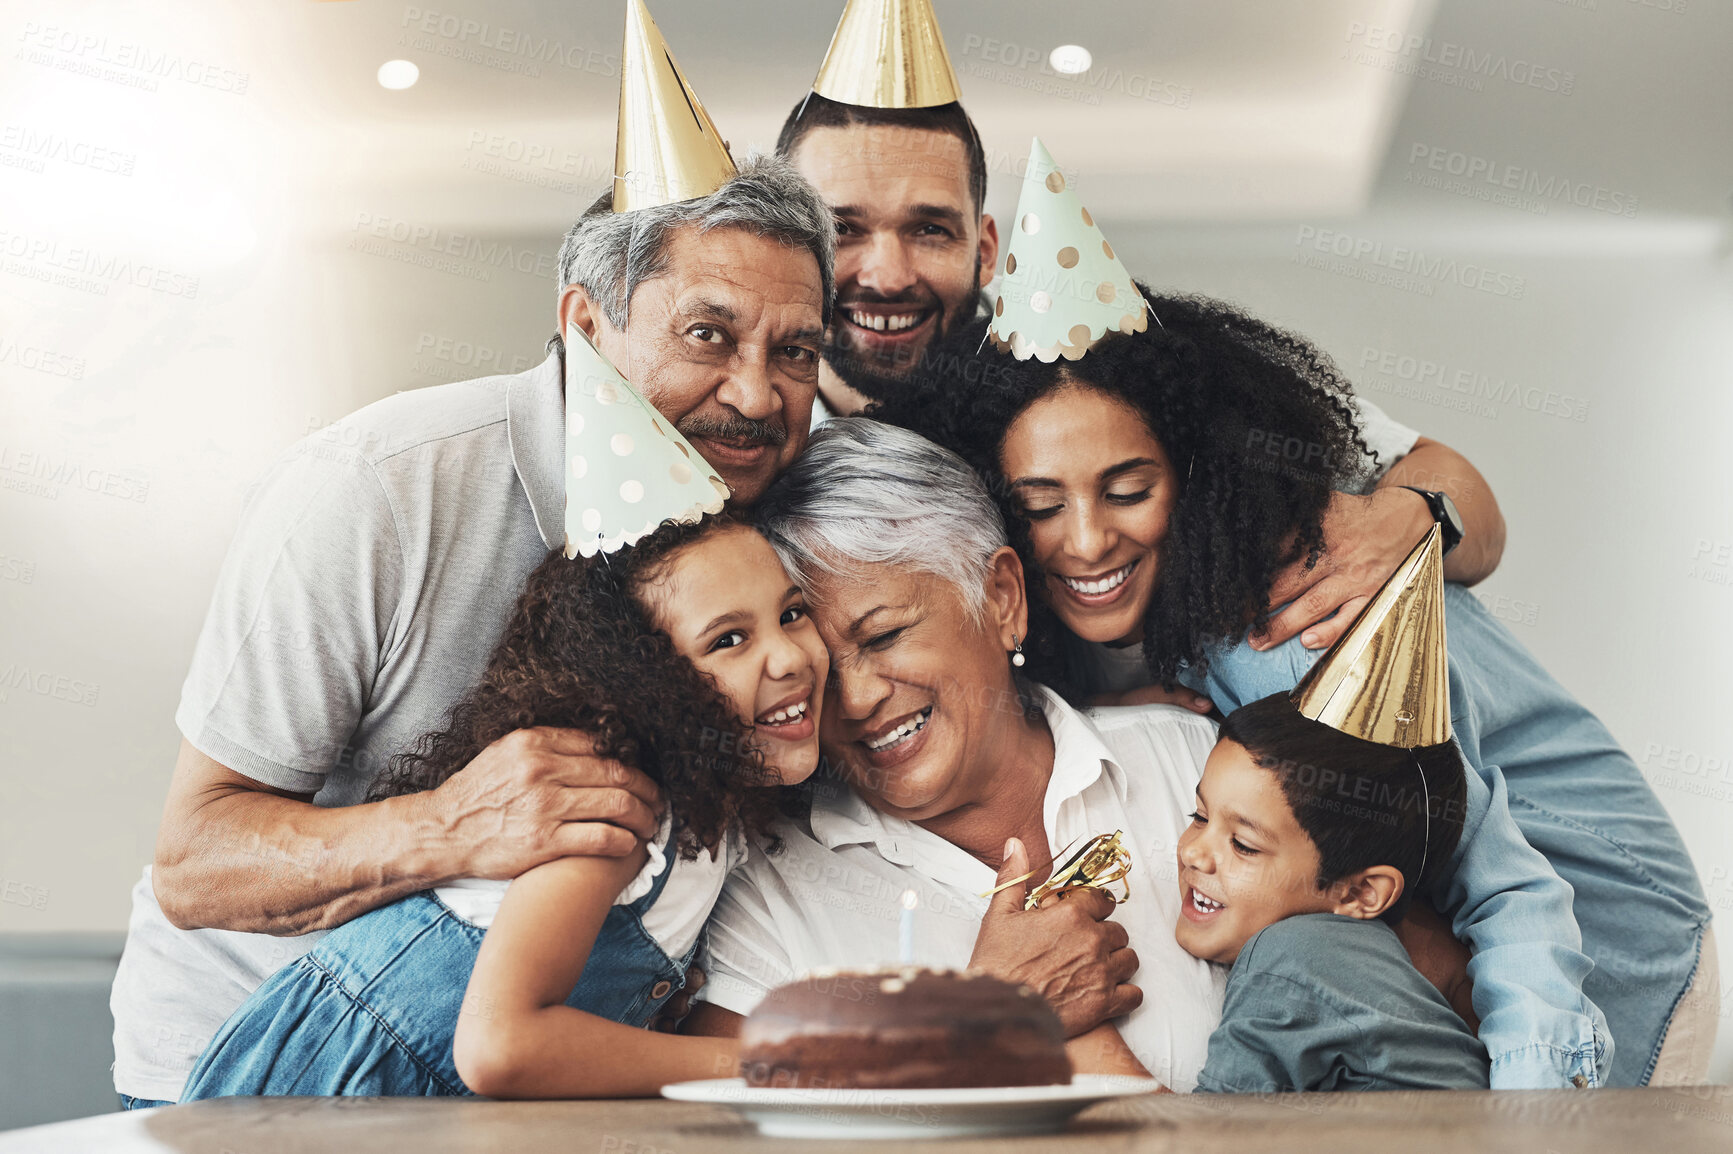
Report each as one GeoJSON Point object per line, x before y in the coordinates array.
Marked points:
{"type": "Point", "coordinates": [1503, 897]}
{"type": "Point", "coordinates": [1435, 466]}
{"type": "Point", "coordinates": [233, 853]}
{"type": "Point", "coordinates": [1366, 537]}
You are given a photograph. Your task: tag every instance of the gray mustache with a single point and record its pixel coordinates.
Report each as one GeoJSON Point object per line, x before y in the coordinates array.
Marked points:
{"type": "Point", "coordinates": [735, 429]}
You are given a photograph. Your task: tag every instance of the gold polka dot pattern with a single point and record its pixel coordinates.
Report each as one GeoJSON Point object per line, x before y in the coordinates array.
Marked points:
{"type": "Point", "coordinates": [1063, 288]}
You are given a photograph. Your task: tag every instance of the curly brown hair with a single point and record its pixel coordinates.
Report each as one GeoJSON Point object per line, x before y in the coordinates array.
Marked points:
{"type": "Point", "coordinates": [580, 651]}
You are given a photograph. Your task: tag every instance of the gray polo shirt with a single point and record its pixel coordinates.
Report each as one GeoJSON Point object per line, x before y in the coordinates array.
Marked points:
{"type": "Point", "coordinates": [373, 569]}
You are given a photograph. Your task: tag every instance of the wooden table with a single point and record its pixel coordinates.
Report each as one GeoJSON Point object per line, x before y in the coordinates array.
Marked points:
{"type": "Point", "coordinates": [1568, 1122]}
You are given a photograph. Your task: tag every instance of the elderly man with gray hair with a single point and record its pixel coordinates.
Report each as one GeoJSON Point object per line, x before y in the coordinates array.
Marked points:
{"type": "Point", "coordinates": [364, 590]}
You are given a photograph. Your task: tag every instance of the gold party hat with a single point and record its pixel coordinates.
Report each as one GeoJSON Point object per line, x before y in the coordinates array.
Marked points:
{"type": "Point", "coordinates": [1388, 679]}
{"type": "Point", "coordinates": [888, 54]}
{"type": "Point", "coordinates": [1063, 288]}
{"type": "Point", "coordinates": [668, 149]}
{"type": "Point", "coordinates": [627, 469]}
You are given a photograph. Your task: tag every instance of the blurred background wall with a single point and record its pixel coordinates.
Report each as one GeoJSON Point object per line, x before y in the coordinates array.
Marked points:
{"type": "Point", "coordinates": [1508, 220]}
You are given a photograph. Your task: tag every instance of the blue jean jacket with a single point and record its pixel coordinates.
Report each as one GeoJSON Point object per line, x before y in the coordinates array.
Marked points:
{"type": "Point", "coordinates": [1540, 1028]}
{"type": "Point", "coordinates": [372, 1009]}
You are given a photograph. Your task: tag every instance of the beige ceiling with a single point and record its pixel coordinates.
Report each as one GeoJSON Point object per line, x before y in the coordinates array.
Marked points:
{"type": "Point", "coordinates": [1216, 110]}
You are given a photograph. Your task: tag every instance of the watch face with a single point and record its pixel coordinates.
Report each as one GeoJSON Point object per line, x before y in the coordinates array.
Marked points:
{"type": "Point", "coordinates": [1451, 512]}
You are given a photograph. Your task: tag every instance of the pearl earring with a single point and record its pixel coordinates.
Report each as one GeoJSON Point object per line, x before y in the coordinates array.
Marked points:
{"type": "Point", "coordinates": [1017, 657]}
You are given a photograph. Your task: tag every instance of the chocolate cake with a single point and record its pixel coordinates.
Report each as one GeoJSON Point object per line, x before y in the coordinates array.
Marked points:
{"type": "Point", "coordinates": [902, 1028]}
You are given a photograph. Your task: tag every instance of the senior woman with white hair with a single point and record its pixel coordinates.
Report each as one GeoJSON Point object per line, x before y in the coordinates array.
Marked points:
{"type": "Point", "coordinates": [955, 770]}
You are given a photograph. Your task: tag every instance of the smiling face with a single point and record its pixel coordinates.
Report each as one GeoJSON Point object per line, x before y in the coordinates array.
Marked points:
{"type": "Point", "coordinates": [731, 610]}
{"type": "Point", "coordinates": [724, 342]}
{"type": "Point", "coordinates": [1098, 490]}
{"type": "Point", "coordinates": [1244, 863]}
{"type": "Point", "coordinates": [912, 248]}
{"type": "Point", "coordinates": [920, 697]}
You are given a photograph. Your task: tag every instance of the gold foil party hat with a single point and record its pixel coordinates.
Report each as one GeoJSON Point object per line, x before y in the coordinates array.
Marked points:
{"type": "Point", "coordinates": [1388, 679]}
{"type": "Point", "coordinates": [888, 54]}
{"type": "Point", "coordinates": [667, 149]}
{"type": "Point", "coordinates": [1063, 288]}
{"type": "Point", "coordinates": [627, 469]}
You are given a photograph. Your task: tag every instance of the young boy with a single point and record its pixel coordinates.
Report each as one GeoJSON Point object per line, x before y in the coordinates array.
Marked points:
{"type": "Point", "coordinates": [1305, 847]}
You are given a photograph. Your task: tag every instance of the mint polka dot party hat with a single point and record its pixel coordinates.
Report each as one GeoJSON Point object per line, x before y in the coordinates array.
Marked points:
{"type": "Point", "coordinates": [627, 469]}
{"type": "Point", "coordinates": [1063, 287]}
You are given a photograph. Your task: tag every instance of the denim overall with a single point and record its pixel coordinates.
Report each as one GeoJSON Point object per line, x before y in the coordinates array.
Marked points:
{"type": "Point", "coordinates": [373, 1008]}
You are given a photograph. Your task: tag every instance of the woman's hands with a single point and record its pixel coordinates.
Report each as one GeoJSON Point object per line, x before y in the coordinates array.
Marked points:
{"type": "Point", "coordinates": [1066, 951]}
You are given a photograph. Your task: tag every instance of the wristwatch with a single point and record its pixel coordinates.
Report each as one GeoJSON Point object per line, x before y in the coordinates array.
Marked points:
{"type": "Point", "coordinates": [1450, 525]}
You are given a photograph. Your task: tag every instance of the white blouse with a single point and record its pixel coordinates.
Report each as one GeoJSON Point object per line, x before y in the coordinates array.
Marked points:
{"type": "Point", "coordinates": [833, 896]}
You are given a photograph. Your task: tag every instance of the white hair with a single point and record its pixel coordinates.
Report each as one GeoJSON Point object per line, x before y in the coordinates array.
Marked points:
{"type": "Point", "coordinates": [870, 493]}
{"type": "Point", "coordinates": [610, 254]}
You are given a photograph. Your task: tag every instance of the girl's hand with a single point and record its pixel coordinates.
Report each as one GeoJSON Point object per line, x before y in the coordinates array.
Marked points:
{"type": "Point", "coordinates": [1103, 1051]}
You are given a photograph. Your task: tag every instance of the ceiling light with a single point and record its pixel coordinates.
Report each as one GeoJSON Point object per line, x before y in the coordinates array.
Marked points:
{"type": "Point", "coordinates": [1070, 59]}
{"type": "Point", "coordinates": [396, 74]}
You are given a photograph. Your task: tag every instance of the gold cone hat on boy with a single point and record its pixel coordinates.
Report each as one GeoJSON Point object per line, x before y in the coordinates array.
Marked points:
{"type": "Point", "coordinates": [1388, 679]}
{"type": "Point", "coordinates": [667, 148]}
{"type": "Point", "coordinates": [627, 469]}
{"type": "Point", "coordinates": [888, 54]}
{"type": "Point", "coordinates": [1063, 288]}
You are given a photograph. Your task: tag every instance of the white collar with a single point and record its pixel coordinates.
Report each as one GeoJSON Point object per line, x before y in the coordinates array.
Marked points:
{"type": "Point", "coordinates": [840, 816]}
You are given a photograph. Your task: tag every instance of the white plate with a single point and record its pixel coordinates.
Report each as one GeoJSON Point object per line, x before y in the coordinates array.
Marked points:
{"type": "Point", "coordinates": [780, 1113]}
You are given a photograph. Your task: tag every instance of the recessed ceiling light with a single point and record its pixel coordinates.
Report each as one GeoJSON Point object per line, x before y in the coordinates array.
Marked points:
{"type": "Point", "coordinates": [1070, 59]}
{"type": "Point", "coordinates": [398, 74]}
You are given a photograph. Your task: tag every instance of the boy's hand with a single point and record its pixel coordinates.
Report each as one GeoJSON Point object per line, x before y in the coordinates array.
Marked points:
{"type": "Point", "coordinates": [1066, 951]}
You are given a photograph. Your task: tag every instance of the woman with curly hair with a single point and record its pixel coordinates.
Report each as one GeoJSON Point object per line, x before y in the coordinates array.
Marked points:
{"type": "Point", "coordinates": [1156, 487]}
{"type": "Point", "coordinates": [688, 656]}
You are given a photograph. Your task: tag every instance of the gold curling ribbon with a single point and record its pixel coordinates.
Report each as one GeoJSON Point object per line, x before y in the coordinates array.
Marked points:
{"type": "Point", "coordinates": [1101, 863]}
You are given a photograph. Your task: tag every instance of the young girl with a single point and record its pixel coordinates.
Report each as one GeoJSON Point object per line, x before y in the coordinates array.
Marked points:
{"type": "Point", "coordinates": [686, 653]}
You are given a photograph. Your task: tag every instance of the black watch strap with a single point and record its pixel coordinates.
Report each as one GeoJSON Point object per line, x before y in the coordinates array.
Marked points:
{"type": "Point", "coordinates": [1450, 526]}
